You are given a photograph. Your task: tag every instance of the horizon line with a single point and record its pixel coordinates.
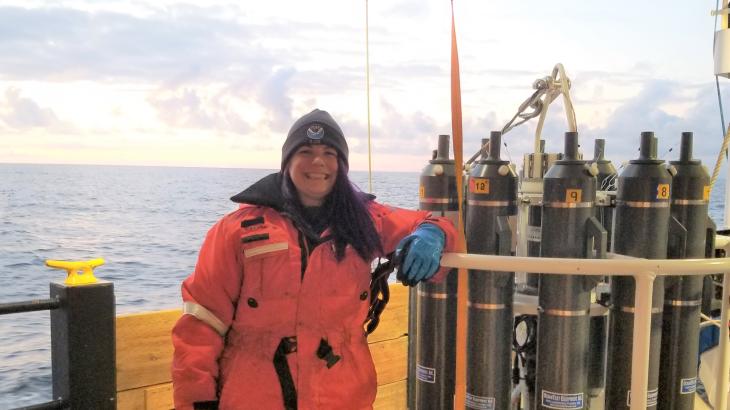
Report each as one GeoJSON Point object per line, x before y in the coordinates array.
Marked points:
{"type": "Point", "coordinates": [173, 166]}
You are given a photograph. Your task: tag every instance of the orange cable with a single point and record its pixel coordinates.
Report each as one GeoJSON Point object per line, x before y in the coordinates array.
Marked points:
{"type": "Point", "coordinates": [461, 310]}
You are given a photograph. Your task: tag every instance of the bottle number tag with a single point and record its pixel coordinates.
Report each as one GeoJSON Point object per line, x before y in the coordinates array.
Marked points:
{"type": "Point", "coordinates": [573, 195]}
{"type": "Point", "coordinates": [662, 191]}
{"type": "Point", "coordinates": [706, 193]}
{"type": "Point", "coordinates": [479, 185]}
{"type": "Point", "coordinates": [421, 191]}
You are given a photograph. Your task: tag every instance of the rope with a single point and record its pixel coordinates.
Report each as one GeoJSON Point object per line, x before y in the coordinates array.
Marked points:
{"type": "Point", "coordinates": [726, 139]}
{"type": "Point", "coordinates": [483, 148]}
{"type": "Point", "coordinates": [367, 81]}
{"type": "Point", "coordinates": [565, 91]}
{"type": "Point", "coordinates": [710, 320]}
{"type": "Point", "coordinates": [534, 102]}
{"type": "Point", "coordinates": [547, 89]}
{"type": "Point", "coordinates": [720, 155]}
{"type": "Point", "coordinates": [461, 293]}
{"type": "Point", "coordinates": [557, 84]}
{"type": "Point", "coordinates": [609, 184]}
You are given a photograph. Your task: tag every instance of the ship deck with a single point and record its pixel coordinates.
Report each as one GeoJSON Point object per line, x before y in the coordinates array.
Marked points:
{"type": "Point", "coordinates": [144, 356]}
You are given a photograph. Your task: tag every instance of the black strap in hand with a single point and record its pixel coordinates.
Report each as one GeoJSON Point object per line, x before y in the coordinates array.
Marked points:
{"type": "Point", "coordinates": [379, 293]}
{"type": "Point", "coordinates": [398, 260]}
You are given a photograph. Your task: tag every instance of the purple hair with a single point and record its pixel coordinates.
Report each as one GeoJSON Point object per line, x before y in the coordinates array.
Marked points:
{"type": "Point", "coordinates": [347, 212]}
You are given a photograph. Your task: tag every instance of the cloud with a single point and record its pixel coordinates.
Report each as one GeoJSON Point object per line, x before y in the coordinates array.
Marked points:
{"type": "Point", "coordinates": [404, 133]}
{"type": "Point", "coordinates": [274, 96]}
{"type": "Point", "coordinates": [647, 111]}
{"type": "Point", "coordinates": [219, 107]}
{"type": "Point", "coordinates": [401, 132]}
{"type": "Point", "coordinates": [186, 108]}
{"type": "Point", "coordinates": [179, 44]}
{"type": "Point", "coordinates": [409, 9]}
{"type": "Point", "coordinates": [174, 45]}
{"type": "Point", "coordinates": [232, 69]}
{"type": "Point", "coordinates": [644, 113]}
{"type": "Point", "coordinates": [21, 113]}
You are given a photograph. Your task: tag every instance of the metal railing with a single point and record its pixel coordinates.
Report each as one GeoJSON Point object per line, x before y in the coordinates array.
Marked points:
{"type": "Point", "coordinates": [82, 344]}
{"type": "Point", "coordinates": [35, 306]}
{"type": "Point", "coordinates": [29, 306]}
{"type": "Point", "coordinates": [81, 315]}
{"type": "Point", "coordinates": [644, 272]}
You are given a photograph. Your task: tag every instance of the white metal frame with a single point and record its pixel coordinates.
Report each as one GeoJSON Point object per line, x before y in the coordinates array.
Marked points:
{"type": "Point", "coordinates": [644, 272]}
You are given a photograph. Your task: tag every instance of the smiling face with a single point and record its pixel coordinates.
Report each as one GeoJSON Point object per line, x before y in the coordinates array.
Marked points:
{"type": "Point", "coordinates": [313, 169]}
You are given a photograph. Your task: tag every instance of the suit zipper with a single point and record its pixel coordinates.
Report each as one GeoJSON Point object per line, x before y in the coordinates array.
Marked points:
{"type": "Point", "coordinates": [305, 253]}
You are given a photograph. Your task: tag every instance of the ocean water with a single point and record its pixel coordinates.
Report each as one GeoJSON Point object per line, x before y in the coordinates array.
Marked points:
{"type": "Point", "coordinates": [146, 222]}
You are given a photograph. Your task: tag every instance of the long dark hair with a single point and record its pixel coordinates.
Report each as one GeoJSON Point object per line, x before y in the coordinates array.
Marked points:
{"type": "Point", "coordinates": [347, 212]}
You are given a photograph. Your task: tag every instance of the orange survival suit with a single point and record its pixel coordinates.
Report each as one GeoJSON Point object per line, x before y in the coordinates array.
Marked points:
{"type": "Point", "coordinates": [266, 315]}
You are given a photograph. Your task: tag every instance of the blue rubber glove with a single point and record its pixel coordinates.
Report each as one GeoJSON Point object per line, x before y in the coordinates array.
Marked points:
{"type": "Point", "coordinates": [420, 254]}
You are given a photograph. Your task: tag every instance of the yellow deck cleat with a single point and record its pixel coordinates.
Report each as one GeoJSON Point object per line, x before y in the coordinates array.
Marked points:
{"type": "Point", "coordinates": [79, 272]}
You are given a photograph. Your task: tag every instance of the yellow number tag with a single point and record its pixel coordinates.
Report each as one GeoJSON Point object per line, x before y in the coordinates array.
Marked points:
{"type": "Point", "coordinates": [479, 185]}
{"type": "Point", "coordinates": [662, 191]}
{"type": "Point", "coordinates": [421, 191]}
{"type": "Point", "coordinates": [706, 193]}
{"type": "Point", "coordinates": [573, 195]}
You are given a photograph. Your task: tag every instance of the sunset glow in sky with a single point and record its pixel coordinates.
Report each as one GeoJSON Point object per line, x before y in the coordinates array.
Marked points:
{"type": "Point", "coordinates": [218, 83]}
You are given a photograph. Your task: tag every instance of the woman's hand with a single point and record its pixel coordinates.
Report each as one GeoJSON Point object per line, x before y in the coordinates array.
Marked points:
{"type": "Point", "coordinates": [420, 253]}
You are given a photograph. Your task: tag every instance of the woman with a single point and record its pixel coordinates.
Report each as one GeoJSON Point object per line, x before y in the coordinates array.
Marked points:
{"type": "Point", "coordinates": [274, 312]}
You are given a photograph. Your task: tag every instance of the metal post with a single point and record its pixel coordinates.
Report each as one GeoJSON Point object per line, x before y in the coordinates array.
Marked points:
{"type": "Point", "coordinates": [83, 345]}
{"type": "Point", "coordinates": [724, 369]}
{"type": "Point", "coordinates": [642, 334]}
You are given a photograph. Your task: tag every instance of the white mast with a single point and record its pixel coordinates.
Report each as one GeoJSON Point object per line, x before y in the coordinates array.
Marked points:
{"type": "Point", "coordinates": [721, 55]}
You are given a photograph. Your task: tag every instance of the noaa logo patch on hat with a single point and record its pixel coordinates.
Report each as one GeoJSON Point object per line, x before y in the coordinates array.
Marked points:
{"type": "Point", "coordinates": [315, 132]}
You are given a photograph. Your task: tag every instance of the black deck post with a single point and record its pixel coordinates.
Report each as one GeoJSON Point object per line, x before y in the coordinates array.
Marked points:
{"type": "Point", "coordinates": [83, 345]}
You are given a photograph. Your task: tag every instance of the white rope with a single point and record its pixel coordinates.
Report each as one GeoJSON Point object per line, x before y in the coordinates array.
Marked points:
{"type": "Point", "coordinates": [709, 320]}
{"type": "Point", "coordinates": [720, 156]}
{"type": "Point", "coordinates": [547, 89]}
{"type": "Point", "coordinates": [557, 84]}
{"type": "Point", "coordinates": [367, 80]}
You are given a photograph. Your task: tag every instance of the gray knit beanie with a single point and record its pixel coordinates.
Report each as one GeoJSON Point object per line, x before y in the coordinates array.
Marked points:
{"type": "Point", "coordinates": [317, 127]}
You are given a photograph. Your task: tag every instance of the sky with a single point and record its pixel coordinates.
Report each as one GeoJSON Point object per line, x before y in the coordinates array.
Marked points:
{"type": "Point", "coordinates": [218, 83]}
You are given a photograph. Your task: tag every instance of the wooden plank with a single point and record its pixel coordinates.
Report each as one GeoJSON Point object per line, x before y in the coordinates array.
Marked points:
{"type": "Point", "coordinates": [159, 397]}
{"type": "Point", "coordinates": [131, 399]}
{"type": "Point", "coordinates": [391, 358]}
{"type": "Point", "coordinates": [394, 320]}
{"type": "Point", "coordinates": [144, 348]}
{"type": "Point", "coordinates": [391, 396]}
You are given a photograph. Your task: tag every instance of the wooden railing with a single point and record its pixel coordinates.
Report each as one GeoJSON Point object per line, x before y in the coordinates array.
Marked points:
{"type": "Point", "coordinates": [144, 355]}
